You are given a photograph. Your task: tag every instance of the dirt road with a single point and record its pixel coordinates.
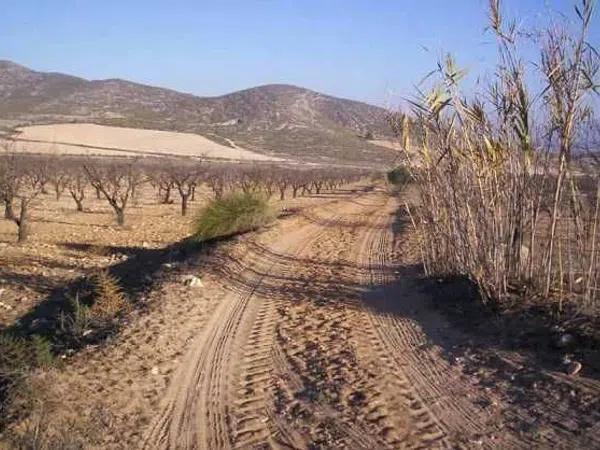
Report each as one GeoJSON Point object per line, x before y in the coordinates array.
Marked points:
{"type": "Point", "coordinates": [323, 341]}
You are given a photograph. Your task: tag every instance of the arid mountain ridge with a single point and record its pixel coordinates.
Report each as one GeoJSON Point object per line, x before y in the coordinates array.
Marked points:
{"type": "Point", "coordinates": [280, 119]}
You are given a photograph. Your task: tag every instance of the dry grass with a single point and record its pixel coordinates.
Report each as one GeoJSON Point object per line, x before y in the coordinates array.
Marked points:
{"type": "Point", "coordinates": [109, 300]}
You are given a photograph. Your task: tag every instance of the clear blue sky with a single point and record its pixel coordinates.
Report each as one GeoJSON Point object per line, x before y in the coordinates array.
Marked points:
{"type": "Point", "coordinates": [370, 50]}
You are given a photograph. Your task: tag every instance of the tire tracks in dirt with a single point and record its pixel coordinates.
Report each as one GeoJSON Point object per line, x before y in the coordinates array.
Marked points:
{"type": "Point", "coordinates": [316, 345]}
{"type": "Point", "coordinates": [330, 386]}
{"type": "Point", "coordinates": [202, 408]}
{"type": "Point", "coordinates": [444, 404]}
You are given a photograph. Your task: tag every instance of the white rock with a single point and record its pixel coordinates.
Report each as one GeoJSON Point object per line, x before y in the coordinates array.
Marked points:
{"type": "Point", "coordinates": [155, 371]}
{"type": "Point", "coordinates": [5, 306]}
{"type": "Point", "coordinates": [192, 281]}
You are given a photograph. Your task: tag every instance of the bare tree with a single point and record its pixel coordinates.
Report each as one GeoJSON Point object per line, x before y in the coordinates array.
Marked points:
{"type": "Point", "coordinates": [116, 182]}
{"type": "Point", "coordinates": [21, 179]}
{"type": "Point", "coordinates": [185, 179]}
{"type": "Point", "coordinates": [59, 179]}
{"type": "Point", "coordinates": [217, 181]}
{"type": "Point", "coordinates": [161, 181]}
{"type": "Point", "coordinates": [8, 177]}
{"type": "Point", "coordinates": [77, 183]}
{"type": "Point", "coordinates": [282, 180]}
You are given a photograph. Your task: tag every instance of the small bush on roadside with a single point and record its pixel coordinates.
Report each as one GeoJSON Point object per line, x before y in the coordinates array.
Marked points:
{"type": "Point", "coordinates": [109, 300]}
{"type": "Point", "coordinates": [399, 176]}
{"type": "Point", "coordinates": [18, 355]}
{"type": "Point", "coordinates": [236, 213]}
{"type": "Point", "coordinates": [18, 358]}
{"type": "Point", "coordinates": [41, 352]}
{"type": "Point", "coordinates": [77, 321]}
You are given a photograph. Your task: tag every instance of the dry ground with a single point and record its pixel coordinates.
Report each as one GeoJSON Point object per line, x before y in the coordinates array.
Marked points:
{"type": "Point", "coordinates": [91, 139]}
{"type": "Point", "coordinates": [314, 333]}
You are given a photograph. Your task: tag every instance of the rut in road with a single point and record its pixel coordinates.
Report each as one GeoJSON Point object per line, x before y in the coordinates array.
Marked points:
{"type": "Point", "coordinates": [209, 401]}
{"type": "Point", "coordinates": [308, 349]}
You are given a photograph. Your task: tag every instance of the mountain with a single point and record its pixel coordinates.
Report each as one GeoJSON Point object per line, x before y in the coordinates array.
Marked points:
{"type": "Point", "coordinates": [283, 119]}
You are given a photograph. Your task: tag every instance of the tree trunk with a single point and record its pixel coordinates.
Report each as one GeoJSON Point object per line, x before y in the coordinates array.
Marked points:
{"type": "Point", "coordinates": [193, 193]}
{"type": "Point", "coordinates": [78, 200]}
{"type": "Point", "coordinates": [281, 194]}
{"type": "Point", "coordinates": [8, 209]}
{"type": "Point", "coordinates": [23, 221]}
{"type": "Point", "coordinates": [120, 215]}
{"type": "Point", "coordinates": [184, 204]}
{"type": "Point", "coordinates": [98, 194]}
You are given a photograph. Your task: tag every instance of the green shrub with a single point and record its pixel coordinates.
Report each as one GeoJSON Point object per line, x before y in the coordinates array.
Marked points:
{"type": "Point", "coordinates": [41, 352]}
{"type": "Point", "coordinates": [18, 355]}
{"type": "Point", "coordinates": [15, 355]}
{"type": "Point", "coordinates": [399, 176]}
{"type": "Point", "coordinates": [235, 213]}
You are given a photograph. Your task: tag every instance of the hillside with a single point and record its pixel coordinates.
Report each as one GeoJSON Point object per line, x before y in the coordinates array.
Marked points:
{"type": "Point", "coordinates": [281, 119]}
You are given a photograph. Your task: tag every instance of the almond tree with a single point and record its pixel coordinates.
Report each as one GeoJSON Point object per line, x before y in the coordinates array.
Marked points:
{"type": "Point", "coordinates": [21, 179]}
{"type": "Point", "coordinates": [216, 180]}
{"type": "Point", "coordinates": [77, 183]}
{"type": "Point", "coordinates": [160, 180]}
{"type": "Point", "coordinates": [185, 179]}
{"type": "Point", "coordinates": [282, 180]}
{"type": "Point", "coordinates": [116, 182]}
{"type": "Point", "coordinates": [7, 184]}
{"type": "Point", "coordinates": [59, 179]}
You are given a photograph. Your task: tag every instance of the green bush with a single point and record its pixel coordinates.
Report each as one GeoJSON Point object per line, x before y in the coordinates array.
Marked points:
{"type": "Point", "coordinates": [19, 355]}
{"type": "Point", "coordinates": [235, 213]}
{"type": "Point", "coordinates": [15, 355]}
{"type": "Point", "coordinates": [399, 176]}
{"type": "Point", "coordinates": [18, 358]}
{"type": "Point", "coordinates": [41, 350]}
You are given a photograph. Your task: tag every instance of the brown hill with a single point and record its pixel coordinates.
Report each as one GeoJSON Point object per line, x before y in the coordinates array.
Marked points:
{"type": "Point", "coordinates": [285, 119]}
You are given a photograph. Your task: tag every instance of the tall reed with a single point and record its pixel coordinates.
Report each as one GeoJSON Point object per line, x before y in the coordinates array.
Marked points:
{"type": "Point", "coordinates": [503, 200]}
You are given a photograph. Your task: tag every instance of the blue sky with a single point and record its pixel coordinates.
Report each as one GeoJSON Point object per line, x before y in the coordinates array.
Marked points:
{"type": "Point", "coordinates": [370, 50]}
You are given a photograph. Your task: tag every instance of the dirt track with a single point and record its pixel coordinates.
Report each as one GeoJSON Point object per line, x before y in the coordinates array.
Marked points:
{"type": "Point", "coordinates": [322, 342]}
{"type": "Point", "coordinates": [316, 333]}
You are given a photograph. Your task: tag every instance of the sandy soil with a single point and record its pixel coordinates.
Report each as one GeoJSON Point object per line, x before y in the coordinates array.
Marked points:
{"type": "Point", "coordinates": [314, 333]}
{"type": "Point", "coordinates": [91, 139]}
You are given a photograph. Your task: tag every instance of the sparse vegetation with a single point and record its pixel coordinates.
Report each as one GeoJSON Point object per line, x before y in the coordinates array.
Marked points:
{"type": "Point", "coordinates": [109, 302]}
{"type": "Point", "coordinates": [18, 357]}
